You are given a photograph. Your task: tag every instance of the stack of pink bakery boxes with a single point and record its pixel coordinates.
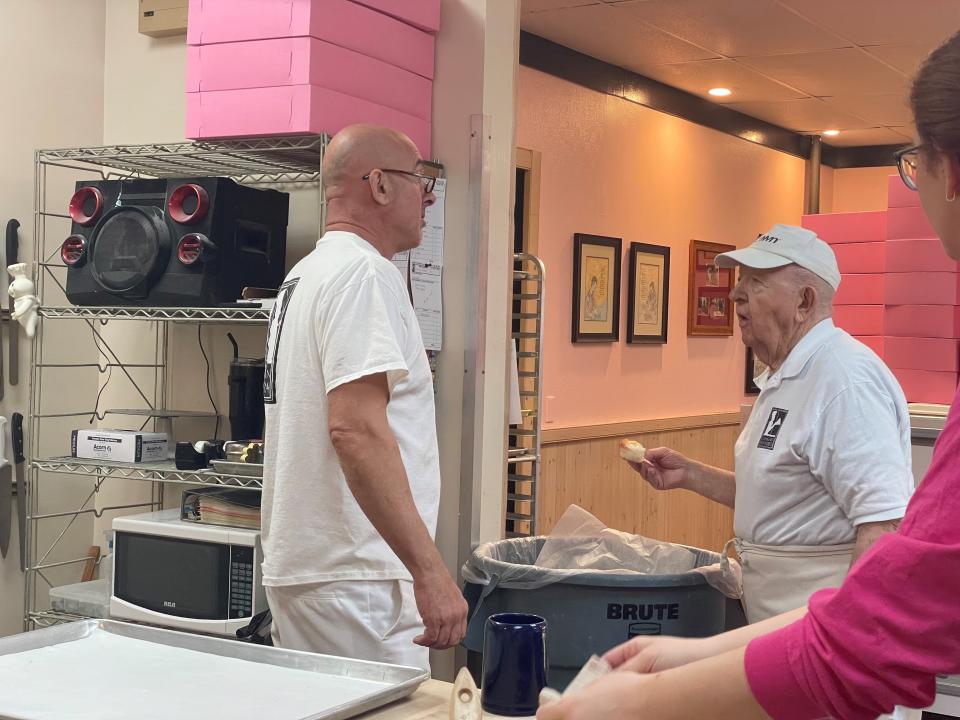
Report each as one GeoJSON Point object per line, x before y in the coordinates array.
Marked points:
{"type": "Point", "coordinates": [922, 296]}
{"type": "Point", "coordinates": [859, 242]}
{"type": "Point", "coordinates": [900, 293]}
{"type": "Point", "coordinates": [290, 67]}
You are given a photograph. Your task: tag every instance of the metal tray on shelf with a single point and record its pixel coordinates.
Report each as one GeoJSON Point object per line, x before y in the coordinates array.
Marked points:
{"type": "Point", "coordinates": [59, 672]}
{"type": "Point", "coordinates": [226, 467]}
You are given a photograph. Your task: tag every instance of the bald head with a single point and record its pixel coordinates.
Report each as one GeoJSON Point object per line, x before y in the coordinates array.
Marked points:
{"type": "Point", "coordinates": [358, 149]}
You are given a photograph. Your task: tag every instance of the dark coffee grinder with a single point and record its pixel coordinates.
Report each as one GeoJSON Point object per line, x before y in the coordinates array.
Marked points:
{"type": "Point", "coordinates": [246, 396]}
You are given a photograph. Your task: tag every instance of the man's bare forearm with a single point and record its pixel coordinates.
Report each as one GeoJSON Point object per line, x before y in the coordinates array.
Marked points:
{"type": "Point", "coordinates": [712, 482]}
{"type": "Point", "coordinates": [869, 533]}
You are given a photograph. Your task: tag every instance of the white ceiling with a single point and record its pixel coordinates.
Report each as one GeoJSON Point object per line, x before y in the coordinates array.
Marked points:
{"type": "Point", "coordinates": [806, 65]}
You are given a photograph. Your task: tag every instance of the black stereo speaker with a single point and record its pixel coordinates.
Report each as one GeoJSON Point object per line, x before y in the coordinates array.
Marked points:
{"type": "Point", "coordinates": [183, 242]}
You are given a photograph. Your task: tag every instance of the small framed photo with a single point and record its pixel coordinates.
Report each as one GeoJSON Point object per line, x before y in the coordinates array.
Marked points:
{"type": "Point", "coordinates": [709, 310]}
{"type": "Point", "coordinates": [648, 293]}
{"type": "Point", "coordinates": [596, 288]}
{"type": "Point", "coordinates": [754, 368]}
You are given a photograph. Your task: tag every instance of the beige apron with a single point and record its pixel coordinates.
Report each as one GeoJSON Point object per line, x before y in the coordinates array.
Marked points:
{"type": "Point", "coordinates": [780, 578]}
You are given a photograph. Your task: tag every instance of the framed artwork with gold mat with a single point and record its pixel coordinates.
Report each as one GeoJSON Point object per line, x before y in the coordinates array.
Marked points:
{"type": "Point", "coordinates": [648, 293]}
{"type": "Point", "coordinates": [596, 288]}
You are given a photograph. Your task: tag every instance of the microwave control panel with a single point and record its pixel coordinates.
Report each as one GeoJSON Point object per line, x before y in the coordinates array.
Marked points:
{"type": "Point", "coordinates": [241, 581]}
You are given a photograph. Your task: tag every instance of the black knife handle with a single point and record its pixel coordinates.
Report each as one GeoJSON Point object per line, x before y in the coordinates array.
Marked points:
{"type": "Point", "coordinates": [16, 432]}
{"type": "Point", "coordinates": [12, 243]}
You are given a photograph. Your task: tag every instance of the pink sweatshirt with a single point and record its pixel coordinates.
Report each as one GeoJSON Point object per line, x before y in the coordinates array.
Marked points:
{"type": "Point", "coordinates": [881, 638]}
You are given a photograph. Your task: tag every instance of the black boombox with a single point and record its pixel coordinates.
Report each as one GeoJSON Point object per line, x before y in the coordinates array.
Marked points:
{"type": "Point", "coordinates": [173, 242]}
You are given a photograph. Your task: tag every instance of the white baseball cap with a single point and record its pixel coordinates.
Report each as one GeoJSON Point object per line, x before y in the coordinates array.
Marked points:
{"type": "Point", "coordinates": [783, 245]}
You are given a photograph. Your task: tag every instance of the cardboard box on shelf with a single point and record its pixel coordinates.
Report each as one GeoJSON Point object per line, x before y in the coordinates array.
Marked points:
{"type": "Point", "coordinates": [859, 319]}
{"type": "Point", "coordinates": [118, 445]}
{"type": "Point", "coordinates": [307, 61]}
{"type": "Point", "coordinates": [866, 257]}
{"type": "Point", "coordinates": [933, 321]}
{"type": "Point", "coordinates": [292, 110]}
{"type": "Point", "coordinates": [859, 227]}
{"type": "Point", "coordinates": [920, 353]}
{"type": "Point", "coordinates": [866, 289]}
{"type": "Point", "coordinates": [922, 288]}
{"type": "Point", "coordinates": [341, 22]}
{"type": "Point", "coordinates": [163, 18]}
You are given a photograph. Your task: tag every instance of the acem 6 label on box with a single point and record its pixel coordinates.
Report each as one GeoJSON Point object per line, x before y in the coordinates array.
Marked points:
{"type": "Point", "coordinates": [119, 445]}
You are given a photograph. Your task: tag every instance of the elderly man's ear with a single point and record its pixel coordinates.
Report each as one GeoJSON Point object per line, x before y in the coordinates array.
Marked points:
{"type": "Point", "coordinates": [808, 301]}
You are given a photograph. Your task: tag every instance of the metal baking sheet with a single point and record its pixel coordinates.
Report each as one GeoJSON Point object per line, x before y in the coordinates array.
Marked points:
{"type": "Point", "coordinates": [109, 670]}
{"type": "Point", "coordinates": [225, 467]}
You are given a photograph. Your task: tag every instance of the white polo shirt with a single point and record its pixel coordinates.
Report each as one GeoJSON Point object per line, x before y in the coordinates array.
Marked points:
{"type": "Point", "coordinates": [826, 448]}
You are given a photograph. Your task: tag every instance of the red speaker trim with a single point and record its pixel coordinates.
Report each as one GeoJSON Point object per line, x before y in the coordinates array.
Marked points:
{"type": "Point", "coordinates": [190, 248]}
{"type": "Point", "coordinates": [76, 206]}
{"type": "Point", "coordinates": [74, 241]}
{"type": "Point", "coordinates": [177, 198]}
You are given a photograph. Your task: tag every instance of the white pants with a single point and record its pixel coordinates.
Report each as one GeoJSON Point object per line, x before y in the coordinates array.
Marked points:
{"type": "Point", "coordinates": [364, 619]}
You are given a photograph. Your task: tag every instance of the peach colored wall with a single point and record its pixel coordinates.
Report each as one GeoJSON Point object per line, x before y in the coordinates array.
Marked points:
{"type": "Point", "coordinates": [860, 189]}
{"type": "Point", "coordinates": [827, 175]}
{"type": "Point", "coordinates": [611, 167]}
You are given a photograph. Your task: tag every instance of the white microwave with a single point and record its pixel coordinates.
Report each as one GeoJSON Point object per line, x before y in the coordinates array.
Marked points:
{"type": "Point", "coordinates": [184, 575]}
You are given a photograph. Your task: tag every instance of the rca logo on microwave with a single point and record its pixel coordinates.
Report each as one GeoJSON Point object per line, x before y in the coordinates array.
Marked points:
{"type": "Point", "coordinates": [169, 604]}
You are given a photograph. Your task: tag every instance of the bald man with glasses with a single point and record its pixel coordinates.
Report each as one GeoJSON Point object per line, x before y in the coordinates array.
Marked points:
{"type": "Point", "coordinates": [351, 469]}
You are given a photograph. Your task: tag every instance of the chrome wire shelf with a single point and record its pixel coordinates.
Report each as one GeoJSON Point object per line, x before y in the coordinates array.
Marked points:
{"type": "Point", "coordinates": [255, 160]}
{"type": "Point", "coordinates": [173, 314]}
{"type": "Point", "coordinates": [49, 618]}
{"type": "Point", "coordinates": [164, 472]}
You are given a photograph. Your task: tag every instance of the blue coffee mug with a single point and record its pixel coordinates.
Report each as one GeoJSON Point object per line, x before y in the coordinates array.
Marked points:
{"type": "Point", "coordinates": [514, 664]}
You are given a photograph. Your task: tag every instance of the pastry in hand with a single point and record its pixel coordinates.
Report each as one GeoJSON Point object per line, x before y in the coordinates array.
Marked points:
{"type": "Point", "coordinates": [632, 451]}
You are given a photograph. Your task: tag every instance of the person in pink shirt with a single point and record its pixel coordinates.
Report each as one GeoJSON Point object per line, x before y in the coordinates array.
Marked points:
{"type": "Point", "coordinates": [880, 639]}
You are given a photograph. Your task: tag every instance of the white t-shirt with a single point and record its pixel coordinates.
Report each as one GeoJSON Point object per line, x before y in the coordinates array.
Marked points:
{"type": "Point", "coordinates": [826, 448]}
{"type": "Point", "coordinates": [342, 313]}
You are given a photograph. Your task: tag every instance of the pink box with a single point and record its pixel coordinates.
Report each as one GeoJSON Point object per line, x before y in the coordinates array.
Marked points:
{"type": "Point", "coordinates": [920, 353]}
{"type": "Point", "coordinates": [424, 14]}
{"type": "Point", "coordinates": [848, 227]}
{"type": "Point", "coordinates": [932, 321]}
{"type": "Point", "coordinates": [899, 195]}
{"type": "Point", "coordinates": [923, 255]}
{"type": "Point", "coordinates": [292, 110]}
{"type": "Point", "coordinates": [340, 22]}
{"type": "Point", "coordinates": [867, 257]}
{"type": "Point", "coordinates": [922, 288]}
{"type": "Point", "coordinates": [874, 342]}
{"type": "Point", "coordinates": [908, 223]}
{"type": "Point", "coordinates": [307, 61]}
{"type": "Point", "coordinates": [927, 386]}
{"type": "Point", "coordinates": [860, 290]}
{"type": "Point", "coordinates": [859, 319]}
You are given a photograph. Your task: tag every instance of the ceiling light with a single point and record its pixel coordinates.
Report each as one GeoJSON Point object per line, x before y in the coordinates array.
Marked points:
{"type": "Point", "coordinates": [830, 133]}
{"type": "Point", "coordinates": [720, 92]}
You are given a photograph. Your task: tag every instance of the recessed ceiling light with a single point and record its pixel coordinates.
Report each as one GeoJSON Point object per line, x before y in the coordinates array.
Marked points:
{"type": "Point", "coordinates": [830, 133]}
{"type": "Point", "coordinates": [720, 92]}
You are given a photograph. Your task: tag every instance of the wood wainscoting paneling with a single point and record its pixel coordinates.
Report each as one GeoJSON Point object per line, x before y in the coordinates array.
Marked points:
{"type": "Point", "coordinates": [582, 466]}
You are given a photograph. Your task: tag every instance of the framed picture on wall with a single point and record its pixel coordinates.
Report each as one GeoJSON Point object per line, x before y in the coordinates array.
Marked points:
{"type": "Point", "coordinates": [709, 310]}
{"type": "Point", "coordinates": [754, 368]}
{"type": "Point", "coordinates": [648, 293]}
{"type": "Point", "coordinates": [596, 288]}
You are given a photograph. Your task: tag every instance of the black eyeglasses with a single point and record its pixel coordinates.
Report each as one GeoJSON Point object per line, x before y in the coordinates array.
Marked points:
{"type": "Point", "coordinates": [907, 164]}
{"type": "Point", "coordinates": [426, 181]}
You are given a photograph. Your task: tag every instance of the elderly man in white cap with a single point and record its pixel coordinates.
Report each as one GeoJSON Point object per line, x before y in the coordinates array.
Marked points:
{"type": "Point", "coordinates": [823, 463]}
